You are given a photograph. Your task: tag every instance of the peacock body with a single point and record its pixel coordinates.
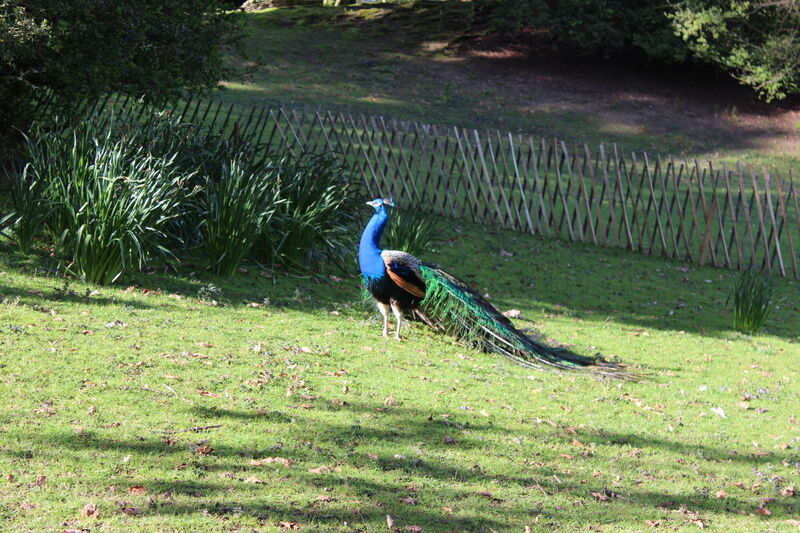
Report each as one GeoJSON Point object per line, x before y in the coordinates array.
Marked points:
{"type": "Point", "coordinates": [401, 284]}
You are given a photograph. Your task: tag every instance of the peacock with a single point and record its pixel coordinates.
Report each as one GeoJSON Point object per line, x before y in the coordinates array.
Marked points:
{"type": "Point", "coordinates": [403, 285]}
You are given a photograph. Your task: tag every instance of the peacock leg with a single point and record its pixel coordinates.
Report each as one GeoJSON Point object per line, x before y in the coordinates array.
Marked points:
{"type": "Point", "coordinates": [384, 309]}
{"type": "Point", "coordinates": [398, 314]}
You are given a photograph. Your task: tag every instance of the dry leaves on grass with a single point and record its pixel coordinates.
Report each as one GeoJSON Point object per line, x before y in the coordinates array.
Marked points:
{"type": "Point", "coordinates": [129, 509]}
{"type": "Point", "coordinates": [322, 469]}
{"type": "Point", "coordinates": [269, 460]}
{"type": "Point", "coordinates": [90, 510]}
{"type": "Point", "coordinates": [606, 495]}
{"type": "Point", "coordinates": [288, 525]}
{"type": "Point", "coordinates": [137, 489]}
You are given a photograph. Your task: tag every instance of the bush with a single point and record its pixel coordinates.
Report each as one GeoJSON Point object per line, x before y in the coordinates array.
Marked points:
{"type": "Point", "coordinates": [31, 209]}
{"type": "Point", "coordinates": [752, 295]}
{"type": "Point", "coordinates": [239, 206]}
{"type": "Point", "coordinates": [65, 51]}
{"type": "Point", "coordinates": [110, 198]}
{"type": "Point", "coordinates": [316, 222]}
{"type": "Point", "coordinates": [105, 205]}
{"type": "Point", "coordinates": [410, 231]}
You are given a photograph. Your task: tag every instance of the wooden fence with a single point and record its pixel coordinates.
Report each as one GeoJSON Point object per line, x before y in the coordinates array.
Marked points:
{"type": "Point", "coordinates": [726, 216]}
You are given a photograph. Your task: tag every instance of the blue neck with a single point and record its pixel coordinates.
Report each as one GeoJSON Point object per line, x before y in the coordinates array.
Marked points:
{"type": "Point", "coordinates": [369, 251]}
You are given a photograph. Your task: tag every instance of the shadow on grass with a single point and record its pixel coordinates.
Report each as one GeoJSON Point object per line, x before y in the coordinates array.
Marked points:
{"type": "Point", "coordinates": [375, 485]}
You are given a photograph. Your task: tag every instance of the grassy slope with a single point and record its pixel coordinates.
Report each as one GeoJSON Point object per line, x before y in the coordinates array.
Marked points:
{"type": "Point", "coordinates": [91, 382]}
{"type": "Point", "coordinates": [395, 61]}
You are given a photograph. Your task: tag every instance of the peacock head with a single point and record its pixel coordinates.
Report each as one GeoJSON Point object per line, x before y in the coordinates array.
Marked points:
{"type": "Point", "coordinates": [379, 203]}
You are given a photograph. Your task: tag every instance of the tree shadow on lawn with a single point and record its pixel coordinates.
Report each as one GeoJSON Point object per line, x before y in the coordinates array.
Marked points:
{"type": "Point", "coordinates": [54, 295]}
{"type": "Point", "coordinates": [378, 485]}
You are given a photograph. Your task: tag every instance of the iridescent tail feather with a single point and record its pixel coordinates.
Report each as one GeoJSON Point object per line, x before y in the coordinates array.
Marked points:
{"type": "Point", "coordinates": [453, 306]}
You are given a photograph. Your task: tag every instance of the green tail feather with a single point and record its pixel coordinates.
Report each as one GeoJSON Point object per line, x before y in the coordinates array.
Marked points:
{"type": "Point", "coordinates": [453, 306]}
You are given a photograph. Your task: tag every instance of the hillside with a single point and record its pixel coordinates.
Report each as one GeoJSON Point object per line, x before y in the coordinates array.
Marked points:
{"type": "Point", "coordinates": [412, 61]}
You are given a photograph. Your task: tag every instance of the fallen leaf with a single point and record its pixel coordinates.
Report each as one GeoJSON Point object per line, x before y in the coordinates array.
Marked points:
{"type": "Point", "coordinates": [721, 494]}
{"type": "Point", "coordinates": [449, 440]}
{"type": "Point", "coordinates": [652, 523]}
{"type": "Point", "coordinates": [323, 498]}
{"type": "Point", "coordinates": [27, 506]}
{"type": "Point", "coordinates": [414, 529]}
{"type": "Point", "coordinates": [41, 480]}
{"type": "Point", "coordinates": [90, 510]}
{"type": "Point", "coordinates": [576, 442]}
{"type": "Point", "coordinates": [137, 489]}
{"type": "Point", "coordinates": [718, 411]}
{"type": "Point", "coordinates": [254, 479]}
{"type": "Point", "coordinates": [409, 501]}
{"type": "Point", "coordinates": [763, 511]}
{"type": "Point", "coordinates": [128, 509]}
{"type": "Point", "coordinates": [699, 522]}
{"type": "Point", "coordinates": [512, 313]}
{"type": "Point", "coordinates": [789, 491]}
{"type": "Point", "coordinates": [389, 522]}
{"type": "Point", "coordinates": [288, 525]}
{"type": "Point", "coordinates": [268, 460]}
{"type": "Point", "coordinates": [205, 344]}
{"type": "Point", "coordinates": [205, 449]}
{"type": "Point", "coordinates": [793, 522]}
{"type": "Point", "coordinates": [322, 469]}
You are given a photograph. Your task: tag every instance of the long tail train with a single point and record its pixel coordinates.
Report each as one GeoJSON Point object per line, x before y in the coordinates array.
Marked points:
{"type": "Point", "coordinates": [451, 305]}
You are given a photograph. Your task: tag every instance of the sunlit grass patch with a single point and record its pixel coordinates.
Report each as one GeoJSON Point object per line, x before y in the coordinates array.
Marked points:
{"type": "Point", "coordinates": [274, 401]}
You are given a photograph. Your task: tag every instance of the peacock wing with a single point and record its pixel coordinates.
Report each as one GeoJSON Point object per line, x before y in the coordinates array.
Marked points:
{"type": "Point", "coordinates": [403, 269]}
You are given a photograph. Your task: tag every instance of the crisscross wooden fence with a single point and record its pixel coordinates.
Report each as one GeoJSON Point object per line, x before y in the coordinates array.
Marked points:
{"type": "Point", "coordinates": [734, 217]}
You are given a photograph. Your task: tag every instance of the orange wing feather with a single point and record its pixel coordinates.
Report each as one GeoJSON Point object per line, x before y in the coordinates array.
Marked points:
{"type": "Point", "coordinates": [406, 285]}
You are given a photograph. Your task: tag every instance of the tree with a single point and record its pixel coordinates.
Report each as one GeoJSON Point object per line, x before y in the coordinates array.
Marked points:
{"type": "Point", "coordinates": [758, 42]}
{"type": "Point", "coordinates": [72, 49]}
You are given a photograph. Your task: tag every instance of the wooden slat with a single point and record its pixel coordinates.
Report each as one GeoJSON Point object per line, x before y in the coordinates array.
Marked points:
{"type": "Point", "coordinates": [761, 221]}
{"type": "Point", "coordinates": [623, 202]}
{"type": "Point", "coordinates": [521, 187]}
{"type": "Point", "coordinates": [771, 212]}
{"type": "Point", "coordinates": [782, 201]}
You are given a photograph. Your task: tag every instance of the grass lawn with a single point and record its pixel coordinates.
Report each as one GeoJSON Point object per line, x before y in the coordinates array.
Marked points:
{"type": "Point", "coordinates": [407, 60]}
{"type": "Point", "coordinates": [145, 408]}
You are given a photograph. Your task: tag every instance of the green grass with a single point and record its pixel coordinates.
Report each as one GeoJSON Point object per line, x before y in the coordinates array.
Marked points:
{"type": "Point", "coordinates": [401, 60]}
{"type": "Point", "coordinates": [97, 384]}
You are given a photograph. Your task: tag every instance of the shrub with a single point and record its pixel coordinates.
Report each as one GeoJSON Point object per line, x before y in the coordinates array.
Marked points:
{"type": "Point", "coordinates": [65, 51]}
{"type": "Point", "coordinates": [110, 198]}
{"type": "Point", "coordinates": [108, 205]}
{"type": "Point", "coordinates": [317, 219]}
{"type": "Point", "coordinates": [239, 206]}
{"type": "Point", "coordinates": [31, 209]}
{"type": "Point", "coordinates": [752, 294]}
{"type": "Point", "coordinates": [411, 231]}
